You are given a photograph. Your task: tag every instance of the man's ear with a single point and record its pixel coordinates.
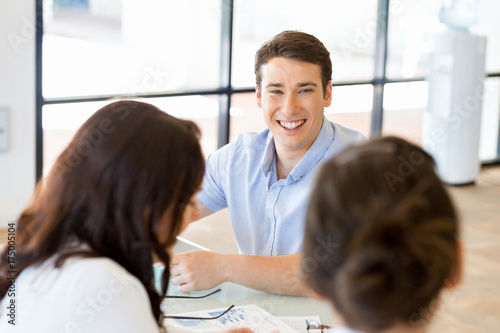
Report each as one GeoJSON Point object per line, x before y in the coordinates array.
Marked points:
{"type": "Point", "coordinates": [328, 94]}
{"type": "Point", "coordinates": [456, 275]}
{"type": "Point", "coordinates": [258, 96]}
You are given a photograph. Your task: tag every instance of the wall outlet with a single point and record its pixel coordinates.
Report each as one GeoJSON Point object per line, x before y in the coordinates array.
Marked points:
{"type": "Point", "coordinates": [4, 129]}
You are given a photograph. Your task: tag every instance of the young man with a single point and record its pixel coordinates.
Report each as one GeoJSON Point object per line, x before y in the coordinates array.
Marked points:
{"type": "Point", "coordinates": [265, 179]}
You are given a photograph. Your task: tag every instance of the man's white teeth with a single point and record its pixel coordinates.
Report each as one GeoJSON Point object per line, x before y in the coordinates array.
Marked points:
{"type": "Point", "coordinates": [292, 124]}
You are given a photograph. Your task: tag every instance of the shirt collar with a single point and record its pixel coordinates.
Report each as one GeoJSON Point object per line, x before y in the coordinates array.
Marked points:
{"type": "Point", "coordinates": [315, 153]}
{"type": "Point", "coordinates": [311, 158]}
{"type": "Point", "coordinates": [270, 153]}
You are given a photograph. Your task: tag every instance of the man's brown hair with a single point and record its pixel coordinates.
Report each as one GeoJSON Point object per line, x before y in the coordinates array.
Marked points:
{"type": "Point", "coordinates": [295, 45]}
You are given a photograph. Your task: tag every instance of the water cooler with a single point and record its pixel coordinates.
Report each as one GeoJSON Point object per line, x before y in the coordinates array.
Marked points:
{"type": "Point", "coordinates": [451, 122]}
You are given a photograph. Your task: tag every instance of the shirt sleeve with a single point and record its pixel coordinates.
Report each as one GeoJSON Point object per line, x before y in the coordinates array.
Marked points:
{"type": "Point", "coordinates": [213, 191]}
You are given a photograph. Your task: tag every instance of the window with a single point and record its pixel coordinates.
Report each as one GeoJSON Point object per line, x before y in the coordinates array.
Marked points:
{"type": "Point", "coordinates": [194, 59]}
{"type": "Point", "coordinates": [61, 121]}
{"type": "Point", "coordinates": [130, 47]}
{"type": "Point", "coordinates": [349, 38]}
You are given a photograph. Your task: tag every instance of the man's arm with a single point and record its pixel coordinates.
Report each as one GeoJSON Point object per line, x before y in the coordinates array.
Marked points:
{"type": "Point", "coordinates": [201, 213]}
{"type": "Point", "coordinates": [202, 270]}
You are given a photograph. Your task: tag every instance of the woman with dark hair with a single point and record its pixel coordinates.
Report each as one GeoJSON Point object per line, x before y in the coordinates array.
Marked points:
{"type": "Point", "coordinates": [114, 202]}
{"type": "Point", "coordinates": [381, 239]}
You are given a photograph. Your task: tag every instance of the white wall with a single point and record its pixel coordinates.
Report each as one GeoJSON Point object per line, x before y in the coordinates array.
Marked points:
{"type": "Point", "coordinates": [17, 91]}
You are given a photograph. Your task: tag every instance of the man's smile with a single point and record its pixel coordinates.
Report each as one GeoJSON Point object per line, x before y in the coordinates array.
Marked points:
{"type": "Point", "coordinates": [291, 124]}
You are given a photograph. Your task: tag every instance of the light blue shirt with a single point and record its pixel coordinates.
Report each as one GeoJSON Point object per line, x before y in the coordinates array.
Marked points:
{"type": "Point", "coordinates": [267, 215]}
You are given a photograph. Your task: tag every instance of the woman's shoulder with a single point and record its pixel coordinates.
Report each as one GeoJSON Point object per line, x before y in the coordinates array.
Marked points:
{"type": "Point", "coordinates": [78, 275]}
{"type": "Point", "coordinates": [102, 270]}
{"type": "Point", "coordinates": [113, 296]}
{"type": "Point", "coordinates": [98, 267]}
{"type": "Point", "coordinates": [97, 294]}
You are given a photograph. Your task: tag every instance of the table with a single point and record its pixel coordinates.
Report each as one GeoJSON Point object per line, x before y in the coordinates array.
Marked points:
{"type": "Point", "coordinates": [277, 305]}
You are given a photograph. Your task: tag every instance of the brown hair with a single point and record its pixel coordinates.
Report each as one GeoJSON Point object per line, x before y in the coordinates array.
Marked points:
{"type": "Point", "coordinates": [110, 189]}
{"type": "Point", "coordinates": [391, 231]}
{"type": "Point", "coordinates": [294, 45]}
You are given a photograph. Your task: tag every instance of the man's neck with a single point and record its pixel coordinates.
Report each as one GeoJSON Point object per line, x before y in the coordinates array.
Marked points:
{"type": "Point", "coordinates": [286, 161]}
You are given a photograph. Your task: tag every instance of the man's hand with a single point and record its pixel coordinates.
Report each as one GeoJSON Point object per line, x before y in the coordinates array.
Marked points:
{"type": "Point", "coordinates": [198, 270]}
{"type": "Point", "coordinates": [202, 270]}
{"type": "Point", "coordinates": [239, 330]}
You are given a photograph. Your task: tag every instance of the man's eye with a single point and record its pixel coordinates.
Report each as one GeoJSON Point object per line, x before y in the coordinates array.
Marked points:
{"type": "Point", "coordinates": [275, 92]}
{"type": "Point", "coordinates": [306, 90]}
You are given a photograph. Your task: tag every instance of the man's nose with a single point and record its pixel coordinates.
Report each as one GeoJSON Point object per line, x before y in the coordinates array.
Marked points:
{"type": "Point", "coordinates": [291, 105]}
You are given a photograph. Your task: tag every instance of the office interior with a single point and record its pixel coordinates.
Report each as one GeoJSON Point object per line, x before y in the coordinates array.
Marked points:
{"type": "Point", "coordinates": [63, 60]}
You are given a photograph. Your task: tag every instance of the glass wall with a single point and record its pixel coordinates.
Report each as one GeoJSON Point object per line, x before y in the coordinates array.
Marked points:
{"type": "Point", "coordinates": [410, 23]}
{"type": "Point", "coordinates": [61, 121]}
{"type": "Point", "coordinates": [180, 54]}
{"type": "Point", "coordinates": [349, 38]}
{"type": "Point", "coordinates": [488, 146]}
{"type": "Point", "coordinates": [407, 49]}
{"type": "Point", "coordinates": [404, 104]}
{"type": "Point", "coordinates": [127, 47]}
{"type": "Point", "coordinates": [488, 25]}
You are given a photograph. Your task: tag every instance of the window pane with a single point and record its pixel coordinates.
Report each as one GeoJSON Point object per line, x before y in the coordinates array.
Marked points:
{"type": "Point", "coordinates": [347, 32]}
{"type": "Point", "coordinates": [404, 104]}
{"type": "Point", "coordinates": [245, 115]}
{"type": "Point", "coordinates": [411, 21]}
{"type": "Point", "coordinates": [407, 49]}
{"type": "Point", "coordinates": [61, 121]}
{"type": "Point", "coordinates": [130, 47]}
{"type": "Point", "coordinates": [351, 107]}
{"type": "Point", "coordinates": [490, 120]}
{"type": "Point", "coordinates": [489, 25]}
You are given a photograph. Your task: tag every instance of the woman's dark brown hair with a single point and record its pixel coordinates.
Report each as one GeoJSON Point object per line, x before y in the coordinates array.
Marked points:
{"type": "Point", "coordinates": [294, 45]}
{"type": "Point", "coordinates": [110, 189]}
{"type": "Point", "coordinates": [381, 234]}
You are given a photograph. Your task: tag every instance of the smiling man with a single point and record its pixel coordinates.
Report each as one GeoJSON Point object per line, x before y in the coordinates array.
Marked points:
{"type": "Point", "coordinates": [265, 179]}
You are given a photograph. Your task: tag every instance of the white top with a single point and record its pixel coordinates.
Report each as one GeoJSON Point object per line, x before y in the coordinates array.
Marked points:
{"type": "Point", "coordinates": [84, 295]}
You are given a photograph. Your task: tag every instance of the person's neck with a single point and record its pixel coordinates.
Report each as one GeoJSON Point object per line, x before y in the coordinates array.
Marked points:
{"type": "Point", "coordinates": [395, 328]}
{"type": "Point", "coordinates": [286, 161]}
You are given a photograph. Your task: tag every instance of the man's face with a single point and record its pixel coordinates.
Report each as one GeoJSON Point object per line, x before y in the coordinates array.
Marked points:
{"type": "Point", "coordinates": [293, 103]}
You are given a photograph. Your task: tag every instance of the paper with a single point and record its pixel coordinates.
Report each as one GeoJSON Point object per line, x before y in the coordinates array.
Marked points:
{"type": "Point", "coordinates": [252, 316]}
{"type": "Point", "coordinates": [300, 323]}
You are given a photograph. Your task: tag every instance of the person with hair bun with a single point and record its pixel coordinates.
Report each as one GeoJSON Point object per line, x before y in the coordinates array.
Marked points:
{"type": "Point", "coordinates": [382, 238]}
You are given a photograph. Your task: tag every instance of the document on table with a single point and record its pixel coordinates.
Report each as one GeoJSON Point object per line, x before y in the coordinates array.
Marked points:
{"type": "Point", "coordinates": [300, 324]}
{"type": "Point", "coordinates": [252, 316]}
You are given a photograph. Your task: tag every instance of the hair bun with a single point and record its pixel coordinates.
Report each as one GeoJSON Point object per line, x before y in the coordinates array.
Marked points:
{"type": "Point", "coordinates": [370, 281]}
{"type": "Point", "coordinates": [385, 230]}
{"type": "Point", "coordinates": [367, 281]}
{"type": "Point", "coordinates": [397, 238]}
